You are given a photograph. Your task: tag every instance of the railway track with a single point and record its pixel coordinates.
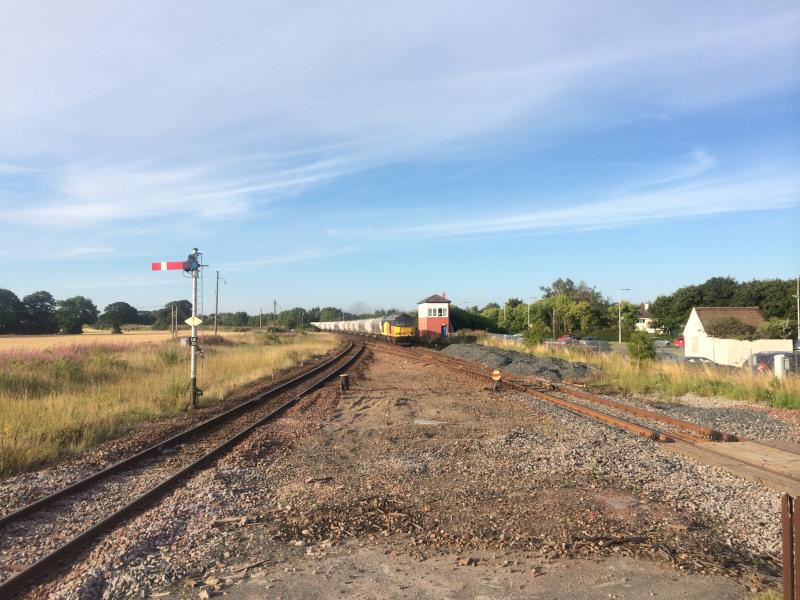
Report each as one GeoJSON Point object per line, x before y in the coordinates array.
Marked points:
{"type": "Point", "coordinates": [778, 468]}
{"type": "Point", "coordinates": [67, 521]}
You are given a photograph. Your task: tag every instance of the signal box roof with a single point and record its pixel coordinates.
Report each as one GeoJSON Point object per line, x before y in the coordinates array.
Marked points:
{"type": "Point", "coordinates": [435, 299]}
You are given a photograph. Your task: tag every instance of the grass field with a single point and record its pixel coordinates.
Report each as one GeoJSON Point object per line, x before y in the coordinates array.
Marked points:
{"type": "Point", "coordinates": [90, 337]}
{"type": "Point", "coordinates": [59, 400]}
{"type": "Point", "coordinates": [672, 379]}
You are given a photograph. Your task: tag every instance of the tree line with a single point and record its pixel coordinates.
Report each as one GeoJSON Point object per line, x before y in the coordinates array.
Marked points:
{"type": "Point", "coordinates": [569, 308]}
{"type": "Point", "coordinates": [564, 308]}
{"type": "Point", "coordinates": [41, 313]}
{"type": "Point", "coordinates": [774, 297]}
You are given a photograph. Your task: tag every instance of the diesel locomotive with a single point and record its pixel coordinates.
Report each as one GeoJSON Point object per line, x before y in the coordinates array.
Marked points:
{"type": "Point", "coordinates": [400, 328]}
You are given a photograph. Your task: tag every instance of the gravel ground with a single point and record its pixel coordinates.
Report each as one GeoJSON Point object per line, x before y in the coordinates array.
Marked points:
{"type": "Point", "coordinates": [419, 462]}
{"type": "Point", "coordinates": [743, 419]}
{"type": "Point", "coordinates": [520, 363]}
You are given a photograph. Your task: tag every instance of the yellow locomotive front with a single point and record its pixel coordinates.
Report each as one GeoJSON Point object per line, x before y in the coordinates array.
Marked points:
{"type": "Point", "coordinates": [399, 328]}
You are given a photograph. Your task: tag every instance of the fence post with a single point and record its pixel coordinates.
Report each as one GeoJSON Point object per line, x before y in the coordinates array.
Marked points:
{"type": "Point", "coordinates": [788, 520]}
{"type": "Point", "coordinates": [796, 551]}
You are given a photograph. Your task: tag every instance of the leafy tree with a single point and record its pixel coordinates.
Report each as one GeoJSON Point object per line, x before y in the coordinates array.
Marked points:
{"type": "Point", "coordinates": [775, 328]}
{"type": "Point", "coordinates": [164, 316]}
{"type": "Point", "coordinates": [728, 328]}
{"type": "Point", "coordinates": [117, 314]}
{"type": "Point", "coordinates": [40, 308]}
{"type": "Point", "coordinates": [557, 309]}
{"type": "Point", "coordinates": [462, 319]}
{"type": "Point", "coordinates": [630, 313]}
{"type": "Point", "coordinates": [73, 313]}
{"type": "Point", "coordinates": [147, 317]}
{"type": "Point", "coordinates": [293, 318]}
{"type": "Point", "coordinates": [535, 334]}
{"type": "Point", "coordinates": [12, 312]}
{"type": "Point", "coordinates": [772, 296]}
{"type": "Point", "coordinates": [581, 292]}
{"type": "Point", "coordinates": [580, 318]}
{"type": "Point", "coordinates": [641, 346]}
{"type": "Point", "coordinates": [490, 306]}
{"type": "Point", "coordinates": [330, 313]}
{"type": "Point", "coordinates": [513, 302]}
{"type": "Point", "coordinates": [492, 313]}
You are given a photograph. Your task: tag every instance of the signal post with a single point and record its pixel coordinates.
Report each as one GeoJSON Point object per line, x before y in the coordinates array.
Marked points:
{"type": "Point", "coordinates": [191, 265]}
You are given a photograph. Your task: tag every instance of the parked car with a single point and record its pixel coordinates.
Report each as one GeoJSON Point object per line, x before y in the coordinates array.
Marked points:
{"type": "Point", "coordinates": [662, 343]}
{"type": "Point", "coordinates": [669, 357]}
{"type": "Point", "coordinates": [699, 360]}
{"type": "Point", "coordinates": [679, 342]}
{"type": "Point", "coordinates": [764, 362]}
{"type": "Point", "coordinates": [589, 339]}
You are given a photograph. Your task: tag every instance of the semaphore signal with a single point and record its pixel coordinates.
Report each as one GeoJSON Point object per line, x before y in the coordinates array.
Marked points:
{"type": "Point", "coordinates": [192, 265]}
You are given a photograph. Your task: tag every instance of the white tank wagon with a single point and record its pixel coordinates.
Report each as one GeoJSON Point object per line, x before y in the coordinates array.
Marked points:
{"type": "Point", "coordinates": [400, 327]}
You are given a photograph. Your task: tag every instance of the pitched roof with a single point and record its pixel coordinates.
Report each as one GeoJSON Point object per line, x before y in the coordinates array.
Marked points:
{"type": "Point", "coordinates": [436, 298]}
{"type": "Point", "coordinates": [749, 315]}
{"type": "Point", "coordinates": [643, 312]}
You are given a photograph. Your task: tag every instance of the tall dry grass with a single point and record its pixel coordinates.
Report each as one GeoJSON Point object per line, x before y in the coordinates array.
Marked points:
{"type": "Point", "coordinates": [62, 400]}
{"type": "Point", "coordinates": [618, 373]}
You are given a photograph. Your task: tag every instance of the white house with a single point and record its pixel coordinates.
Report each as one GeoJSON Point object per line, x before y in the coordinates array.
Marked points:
{"type": "Point", "coordinates": [726, 351]}
{"type": "Point", "coordinates": [644, 320]}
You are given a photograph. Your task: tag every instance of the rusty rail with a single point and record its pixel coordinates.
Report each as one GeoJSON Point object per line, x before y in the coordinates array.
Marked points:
{"type": "Point", "coordinates": [574, 407]}
{"type": "Point", "coordinates": [44, 567]}
{"type": "Point", "coordinates": [790, 534]}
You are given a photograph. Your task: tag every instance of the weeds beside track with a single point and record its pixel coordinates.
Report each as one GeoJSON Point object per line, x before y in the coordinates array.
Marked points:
{"type": "Point", "coordinates": [620, 374]}
{"type": "Point", "coordinates": [61, 401]}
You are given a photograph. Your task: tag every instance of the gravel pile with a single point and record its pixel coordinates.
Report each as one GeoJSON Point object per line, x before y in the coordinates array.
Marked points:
{"type": "Point", "coordinates": [520, 363]}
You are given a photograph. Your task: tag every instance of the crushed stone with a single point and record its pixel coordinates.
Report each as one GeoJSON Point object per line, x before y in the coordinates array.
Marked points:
{"type": "Point", "coordinates": [520, 363]}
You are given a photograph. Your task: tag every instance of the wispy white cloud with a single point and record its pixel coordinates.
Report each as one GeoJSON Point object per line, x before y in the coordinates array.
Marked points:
{"type": "Point", "coordinates": [721, 196]}
{"type": "Point", "coordinates": [85, 251]}
{"type": "Point", "coordinates": [299, 256]}
{"type": "Point", "coordinates": [291, 96]}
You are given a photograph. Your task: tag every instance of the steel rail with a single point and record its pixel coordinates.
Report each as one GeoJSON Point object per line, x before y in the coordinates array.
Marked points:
{"type": "Point", "coordinates": [179, 437]}
{"type": "Point", "coordinates": [647, 432]}
{"type": "Point", "coordinates": [37, 570]}
{"type": "Point", "coordinates": [693, 428]}
{"type": "Point", "coordinates": [692, 438]}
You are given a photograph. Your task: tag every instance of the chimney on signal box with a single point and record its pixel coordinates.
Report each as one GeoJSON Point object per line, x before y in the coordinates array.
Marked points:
{"type": "Point", "coordinates": [444, 295]}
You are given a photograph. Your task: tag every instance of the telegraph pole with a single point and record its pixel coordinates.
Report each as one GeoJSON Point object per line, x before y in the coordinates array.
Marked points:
{"type": "Point", "coordinates": [797, 295]}
{"type": "Point", "coordinates": [274, 314]}
{"type": "Point", "coordinates": [216, 304]}
{"type": "Point", "coordinates": [619, 311]}
{"type": "Point", "coordinates": [260, 314]}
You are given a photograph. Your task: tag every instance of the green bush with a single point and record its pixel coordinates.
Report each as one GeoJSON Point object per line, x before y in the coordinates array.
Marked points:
{"type": "Point", "coordinates": [535, 334]}
{"type": "Point", "coordinates": [641, 346]}
{"type": "Point", "coordinates": [169, 356]}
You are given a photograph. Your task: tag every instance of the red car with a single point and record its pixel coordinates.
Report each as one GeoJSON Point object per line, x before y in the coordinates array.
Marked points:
{"type": "Point", "coordinates": [679, 342]}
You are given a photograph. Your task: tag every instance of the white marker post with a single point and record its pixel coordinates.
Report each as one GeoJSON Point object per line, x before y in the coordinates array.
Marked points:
{"type": "Point", "coordinates": [190, 265]}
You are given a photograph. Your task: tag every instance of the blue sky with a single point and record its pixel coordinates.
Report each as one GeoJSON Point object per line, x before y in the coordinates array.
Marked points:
{"type": "Point", "coordinates": [366, 154]}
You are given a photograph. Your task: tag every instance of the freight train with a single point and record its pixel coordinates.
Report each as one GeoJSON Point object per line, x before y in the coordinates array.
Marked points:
{"type": "Point", "coordinates": [400, 328]}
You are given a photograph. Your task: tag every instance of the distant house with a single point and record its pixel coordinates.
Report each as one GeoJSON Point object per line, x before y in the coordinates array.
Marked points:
{"type": "Point", "coordinates": [727, 351]}
{"type": "Point", "coordinates": [644, 320]}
